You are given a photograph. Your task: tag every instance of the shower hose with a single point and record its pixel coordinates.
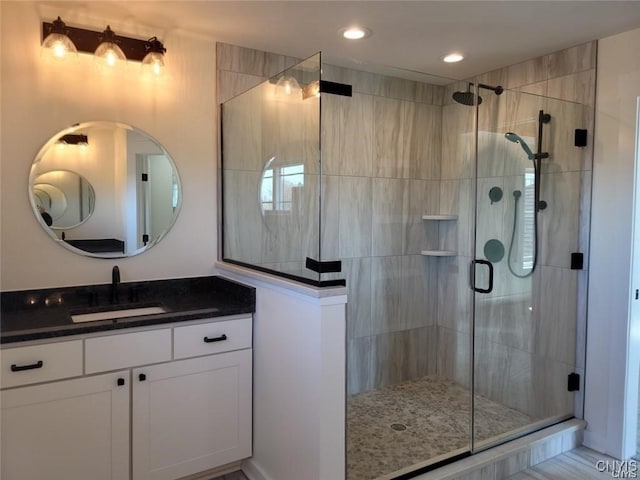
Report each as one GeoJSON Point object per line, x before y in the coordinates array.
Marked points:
{"type": "Point", "coordinates": [516, 195]}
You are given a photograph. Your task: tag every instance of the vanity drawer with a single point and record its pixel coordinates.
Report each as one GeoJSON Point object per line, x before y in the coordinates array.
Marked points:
{"type": "Point", "coordinates": [212, 337]}
{"type": "Point", "coordinates": [40, 363]}
{"type": "Point", "coordinates": [127, 350]}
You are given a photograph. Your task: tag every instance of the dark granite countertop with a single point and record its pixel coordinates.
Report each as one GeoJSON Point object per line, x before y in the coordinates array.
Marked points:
{"type": "Point", "coordinates": [46, 313]}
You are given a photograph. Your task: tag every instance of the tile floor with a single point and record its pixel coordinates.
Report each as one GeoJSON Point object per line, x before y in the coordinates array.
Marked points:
{"type": "Point", "coordinates": [578, 464]}
{"type": "Point", "coordinates": [411, 422]}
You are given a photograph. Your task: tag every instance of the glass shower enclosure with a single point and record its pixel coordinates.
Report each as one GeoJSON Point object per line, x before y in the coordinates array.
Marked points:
{"type": "Point", "coordinates": [460, 230]}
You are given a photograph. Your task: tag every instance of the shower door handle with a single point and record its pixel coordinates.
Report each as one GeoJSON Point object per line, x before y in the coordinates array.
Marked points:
{"type": "Point", "coordinates": [473, 276]}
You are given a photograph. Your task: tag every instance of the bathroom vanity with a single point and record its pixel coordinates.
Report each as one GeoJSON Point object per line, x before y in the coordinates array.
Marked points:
{"type": "Point", "coordinates": [145, 397]}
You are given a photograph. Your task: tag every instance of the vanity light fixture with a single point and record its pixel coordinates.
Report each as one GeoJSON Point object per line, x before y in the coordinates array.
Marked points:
{"type": "Point", "coordinates": [56, 43]}
{"type": "Point", "coordinates": [74, 139]}
{"type": "Point", "coordinates": [287, 86]}
{"type": "Point", "coordinates": [109, 54]}
{"type": "Point", "coordinates": [153, 62]}
{"type": "Point", "coordinates": [110, 50]}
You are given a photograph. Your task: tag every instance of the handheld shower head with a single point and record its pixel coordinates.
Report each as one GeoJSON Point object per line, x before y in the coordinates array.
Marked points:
{"type": "Point", "coordinates": [515, 138]}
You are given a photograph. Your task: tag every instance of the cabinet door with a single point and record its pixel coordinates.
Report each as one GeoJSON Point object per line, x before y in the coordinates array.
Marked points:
{"type": "Point", "coordinates": [191, 415]}
{"type": "Point", "coordinates": [67, 430]}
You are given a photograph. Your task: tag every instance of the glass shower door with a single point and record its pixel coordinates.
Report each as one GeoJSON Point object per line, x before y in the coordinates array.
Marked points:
{"type": "Point", "coordinates": [532, 203]}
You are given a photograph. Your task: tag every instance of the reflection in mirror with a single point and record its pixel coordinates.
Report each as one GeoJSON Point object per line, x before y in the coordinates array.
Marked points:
{"type": "Point", "coordinates": [115, 194]}
{"type": "Point", "coordinates": [67, 198]}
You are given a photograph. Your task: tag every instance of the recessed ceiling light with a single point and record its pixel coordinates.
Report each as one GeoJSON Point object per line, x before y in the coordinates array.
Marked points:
{"type": "Point", "coordinates": [452, 58]}
{"type": "Point", "coordinates": [355, 33]}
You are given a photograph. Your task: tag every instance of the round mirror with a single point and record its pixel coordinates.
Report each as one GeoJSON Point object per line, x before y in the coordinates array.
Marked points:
{"type": "Point", "coordinates": [105, 189]}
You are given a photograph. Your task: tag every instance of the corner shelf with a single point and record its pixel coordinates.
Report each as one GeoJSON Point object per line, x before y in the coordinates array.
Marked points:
{"type": "Point", "coordinates": [439, 253]}
{"type": "Point", "coordinates": [440, 217]}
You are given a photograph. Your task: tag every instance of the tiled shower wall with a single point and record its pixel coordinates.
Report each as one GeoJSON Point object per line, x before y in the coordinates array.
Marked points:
{"type": "Point", "coordinates": [399, 149]}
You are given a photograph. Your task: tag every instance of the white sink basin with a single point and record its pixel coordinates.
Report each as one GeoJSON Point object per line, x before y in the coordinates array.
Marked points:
{"type": "Point", "coordinates": [115, 314]}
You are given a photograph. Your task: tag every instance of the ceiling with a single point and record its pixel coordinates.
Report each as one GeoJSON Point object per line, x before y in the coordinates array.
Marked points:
{"type": "Point", "coordinates": [411, 35]}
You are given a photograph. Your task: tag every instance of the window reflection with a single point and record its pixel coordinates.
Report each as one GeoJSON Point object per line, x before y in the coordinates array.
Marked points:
{"type": "Point", "coordinates": [278, 184]}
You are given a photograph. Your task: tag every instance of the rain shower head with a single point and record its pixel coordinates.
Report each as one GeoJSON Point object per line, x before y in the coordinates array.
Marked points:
{"type": "Point", "coordinates": [468, 97]}
{"type": "Point", "coordinates": [515, 138]}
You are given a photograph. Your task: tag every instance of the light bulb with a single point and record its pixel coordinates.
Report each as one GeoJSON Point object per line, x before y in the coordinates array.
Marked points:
{"type": "Point", "coordinates": [287, 87]}
{"type": "Point", "coordinates": [153, 63]}
{"type": "Point", "coordinates": [57, 45]}
{"type": "Point", "coordinates": [109, 54]}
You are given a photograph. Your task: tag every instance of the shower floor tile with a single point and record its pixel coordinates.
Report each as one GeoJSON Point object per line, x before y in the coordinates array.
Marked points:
{"type": "Point", "coordinates": [412, 422]}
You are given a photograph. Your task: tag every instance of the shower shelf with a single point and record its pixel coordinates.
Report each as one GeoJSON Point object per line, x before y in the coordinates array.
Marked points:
{"type": "Point", "coordinates": [439, 253]}
{"type": "Point", "coordinates": [440, 217]}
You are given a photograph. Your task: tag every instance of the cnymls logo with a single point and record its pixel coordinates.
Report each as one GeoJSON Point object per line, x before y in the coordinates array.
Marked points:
{"type": "Point", "coordinates": [618, 468]}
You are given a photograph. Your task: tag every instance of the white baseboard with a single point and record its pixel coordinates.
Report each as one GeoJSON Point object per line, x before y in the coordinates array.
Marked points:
{"type": "Point", "coordinates": [253, 471]}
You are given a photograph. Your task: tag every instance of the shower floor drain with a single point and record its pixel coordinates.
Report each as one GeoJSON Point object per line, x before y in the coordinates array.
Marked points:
{"type": "Point", "coordinates": [398, 427]}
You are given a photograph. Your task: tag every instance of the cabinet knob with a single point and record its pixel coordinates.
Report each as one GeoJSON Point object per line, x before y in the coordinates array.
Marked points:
{"type": "Point", "coordinates": [142, 377]}
{"type": "Point", "coordinates": [120, 382]}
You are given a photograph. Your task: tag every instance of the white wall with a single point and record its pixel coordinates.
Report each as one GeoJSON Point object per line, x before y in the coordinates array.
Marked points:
{"type": "Point", "coordinates": [299, 386]}
{"type": "Point", "coordinates": [609, 368]}
{"type": "Point", "coordinates": [39, 99]}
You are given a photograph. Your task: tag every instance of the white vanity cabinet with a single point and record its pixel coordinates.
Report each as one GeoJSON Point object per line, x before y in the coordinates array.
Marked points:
{"type": "Point", "coordinates": [181, 392]}
{"type": "Point", "coordinates": [67, 430]}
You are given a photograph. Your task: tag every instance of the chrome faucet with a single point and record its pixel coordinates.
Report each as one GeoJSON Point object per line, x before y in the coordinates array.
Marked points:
{"type": "Point", "coordinates": [115, 280]}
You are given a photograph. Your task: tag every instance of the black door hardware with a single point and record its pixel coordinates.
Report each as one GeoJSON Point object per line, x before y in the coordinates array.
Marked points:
{"type": "Point", "coordinates": [221, 338]}
{"type": "Point", "coordinates": [473, 276]}
{"type": "Point", "coordinates": [33, 366]}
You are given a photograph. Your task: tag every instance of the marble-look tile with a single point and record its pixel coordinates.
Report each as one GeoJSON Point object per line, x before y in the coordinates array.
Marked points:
{"type": "Point", "coordinates": [571, 60]}
{"type": "Point", "coordinates": [243, 223]}
{"type": "Point", "coordinates": [506, 320]}
{"type": "Point", "coordinates": [558, 137]}
{"type": "Point", "coordinates": [356, 140]}
{"type": "Point", "coordinates": [555, 311]}
{"type": "Point", "coordinates": [331, 211]}
{"type": "Point", "coordinates": [307, 209]}
{"type": "Point", "coordinates": [454, 294]}
{"type": "Point", "coordinates": [458, 142]}
{"type": "Point", "coordinates": [538, 88]}
{"type": "Point", "coordinates": [425, 143]}
{"type": "Point", "coordinates": [355, 216]}
{"type": "Point", "coordinates": [512, 464]}
{"type": "Point", "coordinates": [405, 355]}
{"type": "Point", "coordinates": [388, 216]}
{"type": "Point", "coordinates": [281, 239]}
{"type": "Point", "coordinates": [357, 272]}
{"type": "Point", "coordinates": [559, 223]}
{"type": "Point", "coordinates": [311, 136]}
{"type": "Point", "coordinates": [457, 197]}
{"type": "Point", "coordinates": [488, 472]}
{"type": "Point", "coordinates": [392, 133]}
{"type": "Point", "coordinates": [231, 84]}
{"type": "Point", "coordinates": [545, 450]}
{"type": "Point", "coordinates": [360, 364]}
{"type": "Point", "coordinates": [423, 197]}
{"type": "Point", "coordinates": [454, 356]}
{"type": "Point", "coordinates": [549, 394]}
{"type": "Point", "coordinates": [386, 293]}
{"type": "Point", "coordinates": [418, 292]}
{"type": "Point", "coordinates": [250, 61]}
{"type": "Point", "coordinates": [577, 87]}
{"type": "Point", "coordinates": [331, 127]}
{"type": "Point", "coordinates": [525, 73]}
{"type": "Point", "coordinates": [242, 132]}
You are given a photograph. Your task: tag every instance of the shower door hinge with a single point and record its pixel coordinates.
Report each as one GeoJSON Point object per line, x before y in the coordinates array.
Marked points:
{"type": "Point", "coordinates": [573, 382]}
{"type": "Point", "coordinates": [323, 267]}
{"type": "Point", "coordinates": [145, 177]}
